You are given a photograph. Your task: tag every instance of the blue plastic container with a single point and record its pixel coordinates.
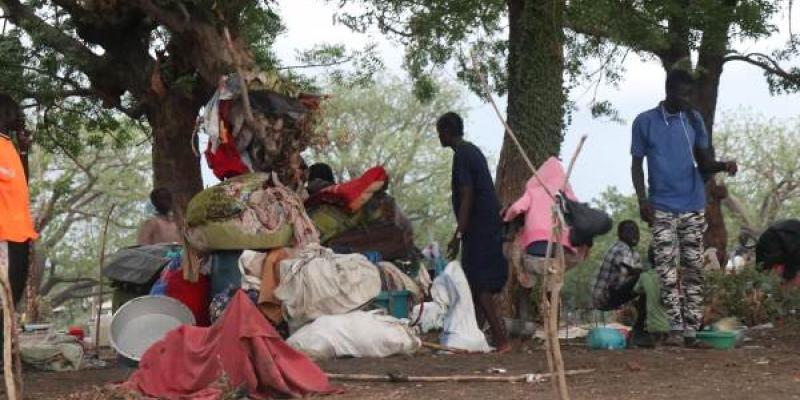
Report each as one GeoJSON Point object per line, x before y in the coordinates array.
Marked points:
{"type": "Point", "coordinates": [605, 339]}
{"type": "Point", "coordinates": [395, 302]}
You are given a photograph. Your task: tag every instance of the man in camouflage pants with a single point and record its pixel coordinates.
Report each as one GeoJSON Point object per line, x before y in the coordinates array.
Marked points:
{"type": "Point", "coordinates": [674, 140]}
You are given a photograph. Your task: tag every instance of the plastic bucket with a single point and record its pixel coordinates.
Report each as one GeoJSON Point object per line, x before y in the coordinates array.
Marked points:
{"type": "Point", "coordinates": [395, 302]}
{"type": "Point", "coordinates": [145, 320]}
{"type": "Point", "coordinates": [605, 339]}
{"type": "Point", "coordinates": [721, 340]}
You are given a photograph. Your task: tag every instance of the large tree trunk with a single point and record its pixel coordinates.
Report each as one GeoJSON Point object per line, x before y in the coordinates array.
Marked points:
{"type": "Point", "coordinates": [175, 165]}
{"type": "Point", "coordinates": [535, 90]}
{"type": "Point", "coordinates": [536, 97]}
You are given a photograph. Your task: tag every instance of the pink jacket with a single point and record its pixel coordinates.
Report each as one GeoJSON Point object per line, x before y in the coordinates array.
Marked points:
{"type": "Point", "coordinates": [537, 205]}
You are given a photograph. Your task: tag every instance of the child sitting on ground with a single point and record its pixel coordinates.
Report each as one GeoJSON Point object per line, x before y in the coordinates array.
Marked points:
{"type": "Point", "coordinates": [622, 279]}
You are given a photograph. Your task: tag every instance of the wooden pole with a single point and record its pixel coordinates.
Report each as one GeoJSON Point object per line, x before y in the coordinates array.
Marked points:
{"type": "Point", "coordinates": [488, 94]}
{"type": "Point", "coordinates": [436, 346]}
{"type": "Point", "coordinates": [398, 378]}
{"type": "Point", "coordinates": [102, 258]}
{"type": "Point", "coordinates": [554, 276]}
{"type": "Point", "coordinates": [13, 383]}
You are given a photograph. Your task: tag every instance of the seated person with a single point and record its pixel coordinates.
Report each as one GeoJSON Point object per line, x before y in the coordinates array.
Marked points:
{"type": "Point", "coordinates": [320, 176]}
{"type": "Point", "coordinates": [526, 254]}
{"type": "Point", "coordinates": [622, 279]}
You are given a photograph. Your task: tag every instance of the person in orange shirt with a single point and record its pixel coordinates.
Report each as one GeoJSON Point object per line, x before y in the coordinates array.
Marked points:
{"type": "Point", "coordinates": [16, 225]}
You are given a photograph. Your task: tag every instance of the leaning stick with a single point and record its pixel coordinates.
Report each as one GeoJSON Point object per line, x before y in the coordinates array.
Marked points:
{"type": "Point", "coordinates": [572, 161]}
{"type": "Point", "coordinates": [437, 346]}
{"type": "Point", "coordinates": [488, 94]}
{"type": "Point", "coordinates": [399, 378]}
{"type": "Point", "coordinates": [13, 387]}
{"type": "Point", "coordinates": [100, 280]}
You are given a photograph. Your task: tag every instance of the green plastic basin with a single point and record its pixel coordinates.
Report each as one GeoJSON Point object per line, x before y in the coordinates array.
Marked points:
{"type": "Point", "coordinates": [721, 340]}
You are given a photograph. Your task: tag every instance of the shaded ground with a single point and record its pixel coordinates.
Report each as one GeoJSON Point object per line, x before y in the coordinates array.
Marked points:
{"type": "Point", "coordinates": [766, 368]}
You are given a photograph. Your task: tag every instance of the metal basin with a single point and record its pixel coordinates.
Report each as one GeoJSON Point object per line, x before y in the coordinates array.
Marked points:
{"type": "Point", "coordinates": [145, 320]}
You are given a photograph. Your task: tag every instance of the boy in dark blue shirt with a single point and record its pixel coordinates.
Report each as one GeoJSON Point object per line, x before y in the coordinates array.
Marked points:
{"type": "Point", "coordinates": [673, 138]}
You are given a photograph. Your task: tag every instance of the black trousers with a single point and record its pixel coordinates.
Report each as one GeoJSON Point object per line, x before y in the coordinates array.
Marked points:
{"type": "Point", "coordinates": [623, 294]}
{"type": "Point", "coordinates": [18, 262]}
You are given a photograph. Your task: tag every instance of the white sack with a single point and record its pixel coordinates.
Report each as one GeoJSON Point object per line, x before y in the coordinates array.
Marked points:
{"type": "Point", "coordinates": [451, 291]}
{"type": "Point", "coordinates": [356, 334]}
{"type": "Point", "coordinates": [319, 282]}
{"type": "Point", "coordinates": [432, 316]}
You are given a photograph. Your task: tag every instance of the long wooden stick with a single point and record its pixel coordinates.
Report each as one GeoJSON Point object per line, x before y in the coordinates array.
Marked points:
{"type": "Point", "coordinates": [572, 161]}
{"type": "Point", "coordinates": [555, 296]}
{"type": "Point", "coordinates": [13, 386]}
{"type": "Point", "coordinates": [488, 94]}
{"type": "Point", "coordinates": [103, 242]}
{"type": "Point", "coordinates": [398, 378]}
{"type": "Point", "coordinates": [437, 346]}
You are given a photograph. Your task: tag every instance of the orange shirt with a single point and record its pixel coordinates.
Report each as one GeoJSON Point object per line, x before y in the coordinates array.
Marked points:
{"type": "Point", "coordinates": [15, 217]}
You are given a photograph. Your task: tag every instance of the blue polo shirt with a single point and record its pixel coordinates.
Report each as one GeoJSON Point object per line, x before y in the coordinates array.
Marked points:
{"type": "Point", "coordinates": [666, 141]}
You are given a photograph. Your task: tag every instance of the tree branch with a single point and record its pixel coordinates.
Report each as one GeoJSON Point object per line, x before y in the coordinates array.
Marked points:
{"type": "Point", "coordinates": [320, 65]}
{"type": "Point", "coordinates": [766, 63]}
{"type": "Point", "coordinates": [24, 17]}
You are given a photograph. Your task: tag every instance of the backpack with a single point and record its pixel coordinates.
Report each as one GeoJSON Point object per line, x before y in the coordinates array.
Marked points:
{"type": "Point", "coordinates": [585, 222]}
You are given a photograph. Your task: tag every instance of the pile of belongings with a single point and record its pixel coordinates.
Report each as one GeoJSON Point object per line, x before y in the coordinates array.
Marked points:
{"type": "Point", "coordinates": [452, 311]}
{"type": "Point", "coordinates": [52, 352]}
{"type": "Point", "coordinates": [283, 125]}
{"type": "Point", "coordinates": [252, 211]}
{"type": "Point", "coordinates": [360, 216]}
{"type": "Point", "coordinates": [240, 353]}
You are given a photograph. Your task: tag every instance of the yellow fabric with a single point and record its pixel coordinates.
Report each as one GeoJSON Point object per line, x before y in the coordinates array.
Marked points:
{"type": "Point", "coordinates": [15, 218]}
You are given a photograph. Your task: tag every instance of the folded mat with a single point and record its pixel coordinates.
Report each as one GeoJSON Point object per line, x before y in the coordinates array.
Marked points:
{"type": "Point", "coordinates": [241, 350]}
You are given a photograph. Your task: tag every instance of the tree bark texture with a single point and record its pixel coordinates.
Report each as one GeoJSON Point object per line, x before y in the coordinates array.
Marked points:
{"type": "Point", "coordinates": [175, 165]}
{"type": "Point", "coordinates": [536, 100]}
{"type": "Point", "coordinates": [536, 94]}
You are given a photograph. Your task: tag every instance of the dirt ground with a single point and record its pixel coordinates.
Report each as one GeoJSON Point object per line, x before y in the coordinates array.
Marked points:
{"type": "Point", "coordinates": [768, 367]}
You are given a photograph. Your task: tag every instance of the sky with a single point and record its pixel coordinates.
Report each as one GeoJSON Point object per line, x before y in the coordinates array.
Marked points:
{"type": "Point", "coordinates": [605, 159]}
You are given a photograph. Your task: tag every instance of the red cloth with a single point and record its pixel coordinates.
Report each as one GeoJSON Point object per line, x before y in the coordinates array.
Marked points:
{"type": "Point", "coordinates": [189, 362]}
{"type": "Point", "coordinates": [226, 162]}
{"type": "Point", "coordinates": [352, 194]}
{"type": "Point", "coordinates": [194, 295]}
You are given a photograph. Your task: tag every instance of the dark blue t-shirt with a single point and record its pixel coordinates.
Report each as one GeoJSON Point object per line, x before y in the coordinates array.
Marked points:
{"type": "Point", "coordinates": [667, 141]}
{"type": "Point", "coordinates": [470, 169]}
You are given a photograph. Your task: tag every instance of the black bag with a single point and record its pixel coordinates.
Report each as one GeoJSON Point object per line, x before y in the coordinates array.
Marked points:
{"type": "Point", "coordinates": [136, 268]}
{"type": "Point", "coordinates": [585, 222]}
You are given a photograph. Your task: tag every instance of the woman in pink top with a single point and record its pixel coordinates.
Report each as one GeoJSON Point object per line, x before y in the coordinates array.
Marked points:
{"type": "Point", "coordinates": [527, 253]}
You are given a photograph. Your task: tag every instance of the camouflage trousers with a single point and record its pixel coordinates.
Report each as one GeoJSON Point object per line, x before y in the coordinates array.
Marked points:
{"type": "Point", "coordinates": [678, 250]}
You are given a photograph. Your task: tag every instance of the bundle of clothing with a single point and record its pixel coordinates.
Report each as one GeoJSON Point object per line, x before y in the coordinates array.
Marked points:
{"type": "Point", "coordinates": [359, 215]}
{"type": "Point", "coordinates": [283, 126]}
{"type": "Point", "coordinates": [252, 211]}
{"type": "Point", "coordinates": [54, 352]}
{"type": "Point", "coordinates": [292, 287]}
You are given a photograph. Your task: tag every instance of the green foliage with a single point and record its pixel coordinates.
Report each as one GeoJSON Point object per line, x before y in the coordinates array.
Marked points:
{"type": "Point", "coordinates": [752, 296]}
{"type": "Point", "coordinates": [385, 124]}
{"type": "Point", "coordinates": [340, 66]}
{"type": "Point", "coordinates": [768, 183]}
{"type": "Point", "coordinates": [70, 196]}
